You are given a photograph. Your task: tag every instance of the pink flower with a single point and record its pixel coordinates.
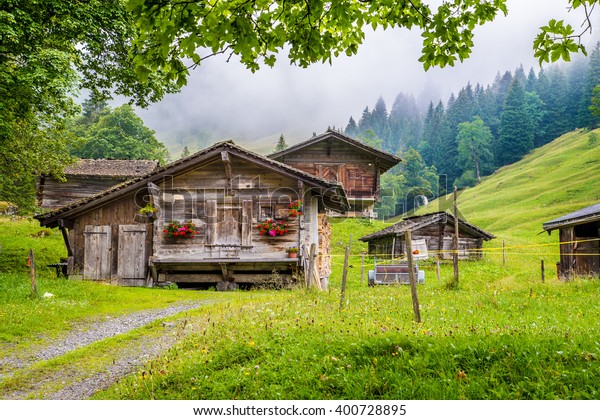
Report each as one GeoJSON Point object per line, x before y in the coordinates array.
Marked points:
{"type": "Point", "coordinates": [272, 232]}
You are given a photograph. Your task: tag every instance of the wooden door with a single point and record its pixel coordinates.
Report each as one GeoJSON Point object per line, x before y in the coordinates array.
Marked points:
{"type": "Point", "coordinates": [131, 267]}
{"type": "Point", "coordinates": [97, 252]}
{"type": "Point", "coordinates": [228, 227]}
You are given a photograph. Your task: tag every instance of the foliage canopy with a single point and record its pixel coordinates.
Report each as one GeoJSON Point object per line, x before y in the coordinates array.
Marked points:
{"type": "Point", "coordinates": [49, 50]}
{"type": "Point", "coordinates": [174, 31]}
{"type": "Point", "coordinates": [118, 134]}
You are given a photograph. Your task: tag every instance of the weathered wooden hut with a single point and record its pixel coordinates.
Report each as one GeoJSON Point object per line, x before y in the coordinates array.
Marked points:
{"type": "Point", "coordinates": [579, 237]}
{"type": "Point", "coordinates": [88, 177]}
{"type": "Point", "coordinates": [339, 158]}
{"type": "Point", "coordinates": [437, 229]}
{"type": "Point", "coordinates": [227, 192]}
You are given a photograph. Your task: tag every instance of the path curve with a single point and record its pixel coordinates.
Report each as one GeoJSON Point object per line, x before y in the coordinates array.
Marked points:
{"type": "Point", "coordinates": [83, 336]}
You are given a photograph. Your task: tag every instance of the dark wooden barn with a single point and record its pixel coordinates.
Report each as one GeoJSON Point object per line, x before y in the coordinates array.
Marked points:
{"type": "Point", "coordinates": [339, 158]}
{"type": "Point", "coordinates": [229, 194]}
{"type": "Point", "coordinates": [88, 177]}
{"type": "Point", "coordinates": [437, 229]}
{"type": "Point", "coordinates": [579, 237]}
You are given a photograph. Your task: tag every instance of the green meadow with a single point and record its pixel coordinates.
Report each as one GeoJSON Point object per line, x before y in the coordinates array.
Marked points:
{"type": "Point", "coordinates": [501, 334]}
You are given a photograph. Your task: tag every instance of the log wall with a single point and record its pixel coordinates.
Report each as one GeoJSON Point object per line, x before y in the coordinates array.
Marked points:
{"type": "Point", "coordinates": [438, 238]}
{"type": "Point", "coordinates": [53, 194]}
{"type": "Point", "coordinates": [338, 161]}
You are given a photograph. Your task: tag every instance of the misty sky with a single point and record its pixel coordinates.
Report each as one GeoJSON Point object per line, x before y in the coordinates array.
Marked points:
{"type": "Point", "coordinates": [230, 102]}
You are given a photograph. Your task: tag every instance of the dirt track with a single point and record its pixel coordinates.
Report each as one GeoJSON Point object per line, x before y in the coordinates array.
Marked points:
{"type": "Point", "coordinates": [79, 384]}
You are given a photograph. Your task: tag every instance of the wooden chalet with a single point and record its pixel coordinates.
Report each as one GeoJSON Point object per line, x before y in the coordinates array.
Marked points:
{"type": "Point", "coordinates": [339, 158]}
{"type": "Point", "coordinates": [437, 229]}
{"type": "Point", "coordinates": [579, 237]}
{"type": "Point", "coordinates": [226, 191]}
{"type": "Point", "coordinates": [88, 177]}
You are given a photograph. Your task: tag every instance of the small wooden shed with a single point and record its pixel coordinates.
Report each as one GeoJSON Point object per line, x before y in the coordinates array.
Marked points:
{"type": "Point", "coordinates": [227, 192]}
{"type": "Point", "coordinates": [437, 229]}
{"type": "Point", "coordinates": [579, 237]}
{"type": "Point", "coordinates": [339, 158]}
{"type": "Point", "coordinates": [88, 177]}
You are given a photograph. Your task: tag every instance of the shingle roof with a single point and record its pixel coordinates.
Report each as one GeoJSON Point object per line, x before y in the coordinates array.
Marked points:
{"type": "Point", "coordinates": [416, 222]}
{"type": "Point", "coordinates": [583, 215]}
{"type": "Point", "coordinates": [161, 171]}
{"type": "Point", "coordinates": [116, 168]}
{"type": "Point", "coordinates": [389, 158]}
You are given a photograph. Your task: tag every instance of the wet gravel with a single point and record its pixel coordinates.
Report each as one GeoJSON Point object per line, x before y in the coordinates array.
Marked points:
{"type": "Point", "coordinates": [82, 336]}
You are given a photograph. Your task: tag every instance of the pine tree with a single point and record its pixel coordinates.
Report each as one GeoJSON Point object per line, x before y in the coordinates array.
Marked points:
{"type": "Point", "coordinates": [378, 122]}
{"type": "Point", "coordinates": [516, 131]}
{"type": "Point", "coordinates": [586, 117]}
{"type": "Point", "coordinates": [351, 129]}
{"type": "Point", "coordinates": [405, 123]}
{"type": "Point", "coordinates": [364, 123]}
{"type": "Point", "coordinates": [431, 144]}
{"type": "Point", "coordinates": [185, 152]}
{"type": "Point", "coordinates": [281, 144]}
{"type": "Point", "coordinates": [459, 110]}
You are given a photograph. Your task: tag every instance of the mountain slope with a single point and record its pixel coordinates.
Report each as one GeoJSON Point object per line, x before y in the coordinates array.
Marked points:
{"type": "Point", "coordinates": [552, 180]}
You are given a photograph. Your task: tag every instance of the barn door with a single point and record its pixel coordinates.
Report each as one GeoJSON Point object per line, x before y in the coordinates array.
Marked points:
{"type": "Point", "coordinates": [131, 267]}
{"type": "Point", "coordinates": [228, 227]}
{"type": "Point", "coordinates": [97, 252]}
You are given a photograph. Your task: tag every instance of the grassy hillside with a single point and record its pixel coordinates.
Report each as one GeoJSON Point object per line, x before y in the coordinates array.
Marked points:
{"type": "Point", "coordinates": [553, 180]}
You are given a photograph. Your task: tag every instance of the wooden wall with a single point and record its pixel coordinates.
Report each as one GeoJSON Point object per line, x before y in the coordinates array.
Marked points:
{"type": "Point", "coordinates": [438, 237]}
{"type": "Point", "coordinates": [226, 201]}
{"type": "Point", "coordinates": [579, 250]}
{"type": "Point", "coordinates": [338, 161]}
{"type": "Point", "coordinates": [122, 212]}
{"type": "Point", "coordinates": [226, 211]}
{"type": "Point", "coordinates": [53, 194]}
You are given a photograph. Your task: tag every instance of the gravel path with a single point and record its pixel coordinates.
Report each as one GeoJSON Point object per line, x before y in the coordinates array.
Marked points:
{"type": "Point", "coordinates": [135, 356]}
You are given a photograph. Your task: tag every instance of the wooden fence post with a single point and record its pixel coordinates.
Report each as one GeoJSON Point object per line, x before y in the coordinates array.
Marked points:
{"type": "Point", "coordinates": [34, 291]}
{"type": "Point", "coordinates": [362, 268]}
{"type": "Point", "coordinates": [412, 277]}
{"type": "Point", "coordinates": [311, 264]}
{"type": "Point", "coordinates": [344, 277]}
{"type": "Point", "coordinates": [437, 268]}
{"type": "Point", "coordinates": [455, 254]}
{"type": "Point", "coordinates": [543, 272]}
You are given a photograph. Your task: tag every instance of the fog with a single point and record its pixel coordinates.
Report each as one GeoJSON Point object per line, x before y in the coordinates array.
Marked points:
{"type": "Point", "coordinates": [223, 100]}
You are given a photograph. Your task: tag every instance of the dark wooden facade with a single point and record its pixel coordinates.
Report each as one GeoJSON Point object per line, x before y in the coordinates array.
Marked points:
{"type": "Point", "coordinates": [88, 177]}
{"type": "Point", "coordinates": [437, 229]}
{"type": "Point", "coordinates": [579, 236]}
{"type": "Point", "coordinates": [337, 157]}
{"type": "Point", "coordinates": [225, 191]}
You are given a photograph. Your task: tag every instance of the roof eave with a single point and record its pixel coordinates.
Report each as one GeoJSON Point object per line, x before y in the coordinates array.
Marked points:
{"type": "Point", "coordinates": [550, 226]}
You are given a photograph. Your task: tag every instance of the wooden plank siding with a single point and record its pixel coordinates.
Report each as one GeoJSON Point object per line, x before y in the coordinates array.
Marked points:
{"type": "Point", "coordinates": [226, 192]}
{"type": "Point", "coordinates": [437, 236]}
{"type": "Point", "coordinates": [53, 194]}
{"type": "Point", "coordinates": [227, 218]}
{"type": "Point", "coordinates": [97, 255]}
{"type": "Point", "coordinates": [132, 258]}
{"type": "Point", "coordinates": [356, 170]}
{"type": "Point", "coordinates": [122, 212]}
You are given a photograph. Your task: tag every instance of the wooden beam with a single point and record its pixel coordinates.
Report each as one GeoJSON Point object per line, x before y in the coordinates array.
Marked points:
{"type": "Point", "coordinates": [377, 174]}
{"type": "Point", "coordinates": [228, 172]}
{"type": "Point", "coordinates": [211, 222]}
{"type": "Point", "coordinates": [226, 272]}
{"type": "Point", "coordinates": [247, 223]}
{"type": "Point", "coordinates": [65, 234]}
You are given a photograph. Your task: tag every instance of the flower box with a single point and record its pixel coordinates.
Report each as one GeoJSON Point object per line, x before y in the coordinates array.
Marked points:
{"type": "Point", "coordinates": [176, 229]}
